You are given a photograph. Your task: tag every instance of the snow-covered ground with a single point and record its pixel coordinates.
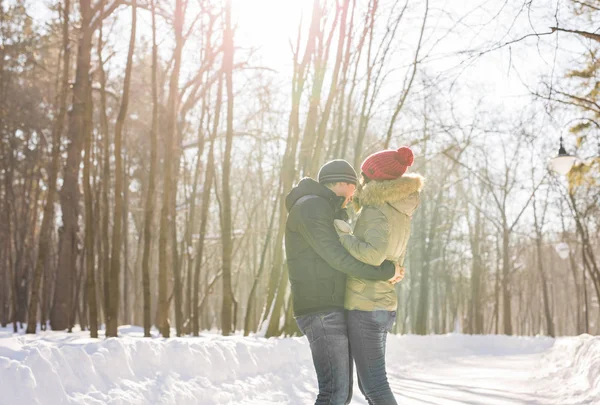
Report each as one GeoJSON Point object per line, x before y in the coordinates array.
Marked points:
{"type": "Point", "coordinates": [59, 368]}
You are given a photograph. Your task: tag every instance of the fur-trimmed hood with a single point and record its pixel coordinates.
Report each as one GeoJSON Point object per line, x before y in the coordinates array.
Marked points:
{"type": "Point", "coordinates": [401, 193]}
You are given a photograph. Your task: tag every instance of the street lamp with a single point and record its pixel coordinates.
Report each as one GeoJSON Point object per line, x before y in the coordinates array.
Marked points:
{"type": "Point", "coordinates": [563, 162]}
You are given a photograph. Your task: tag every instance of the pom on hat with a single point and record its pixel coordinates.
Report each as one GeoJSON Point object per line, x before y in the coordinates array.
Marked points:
{"type": "Point", "coordinates": [405, 156]}
{"type": "Point", "coordinates": [388, 164]}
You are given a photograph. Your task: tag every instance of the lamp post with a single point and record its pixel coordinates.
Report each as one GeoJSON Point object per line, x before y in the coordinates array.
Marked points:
{"type": "Point", "coordinates": [562, 164]}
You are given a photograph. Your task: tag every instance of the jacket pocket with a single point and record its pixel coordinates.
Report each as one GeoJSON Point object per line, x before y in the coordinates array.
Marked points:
{"type": "Point", "coordinates": [325, 277]}
{"type": "Point", "coordinates": [383, 288]}
{"type": "Point", "coordinates": [384, 294]}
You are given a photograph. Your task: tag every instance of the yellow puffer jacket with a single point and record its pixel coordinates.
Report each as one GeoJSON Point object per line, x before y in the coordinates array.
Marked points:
{"type": "Point", "coordinates": [382, 231]}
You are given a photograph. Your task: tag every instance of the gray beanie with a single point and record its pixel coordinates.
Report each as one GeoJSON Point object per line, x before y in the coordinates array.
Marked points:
{"type": "Point", "coordinates": [337, 171]}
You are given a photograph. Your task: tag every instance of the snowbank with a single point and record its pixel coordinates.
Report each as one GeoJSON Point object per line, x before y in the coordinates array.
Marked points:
{"type": "Point", "coordinates": [572, 370]}
{"type": "Point", "coordinates": [59, 368]}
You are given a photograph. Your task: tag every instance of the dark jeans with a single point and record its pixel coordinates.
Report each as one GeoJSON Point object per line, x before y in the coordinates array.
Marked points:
{"type": "Point", "coordinates": [367, 331]}
{"type": "Point", "coordinates": [327, 334]}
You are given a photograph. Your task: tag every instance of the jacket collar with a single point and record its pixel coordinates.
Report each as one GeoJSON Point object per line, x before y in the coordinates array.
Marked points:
{"type": "Point", "coordinates": [400, 193]}
{"type": "Point", "coordinates": [308, 186]}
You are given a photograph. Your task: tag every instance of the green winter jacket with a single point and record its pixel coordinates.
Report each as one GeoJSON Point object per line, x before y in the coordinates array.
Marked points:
{"type": "Point", "coordinates": [381, 233]}
{"type": "Point", "coordinates": [317, 261]}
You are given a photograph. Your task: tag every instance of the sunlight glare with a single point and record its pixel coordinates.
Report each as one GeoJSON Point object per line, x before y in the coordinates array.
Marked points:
{"type": "Point", "coordinates": [270, 26]}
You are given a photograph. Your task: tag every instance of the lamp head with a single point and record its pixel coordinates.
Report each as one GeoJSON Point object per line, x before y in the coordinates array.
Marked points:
{"type": "Point", "coordinates": [563, 162]}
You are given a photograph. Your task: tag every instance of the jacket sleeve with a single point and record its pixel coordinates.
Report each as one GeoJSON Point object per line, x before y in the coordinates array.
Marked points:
{"type": "Point", "coordinates": [316, 226]}
{"type": "Point", "coordinates": [401, 260]}
{"type": "Point", "coordinates": [371, 250]}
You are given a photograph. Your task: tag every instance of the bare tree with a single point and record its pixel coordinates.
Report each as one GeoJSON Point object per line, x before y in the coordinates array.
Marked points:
{"type": "Point", "coordinates": [278, 277]}
{"type": "Point", "coordinates": [167, 212]}
{"type": "Point", "coordinates": [48, 219]}
{"type": "Point", "coordinates": [150, 196]}
{"type": "Point", "coordinates": [115, 257]}
{"type": "Point", "coordinates": [226, 226]}
{"type": "Point", "coordinates": [538, 223]}
{"type": "Point", "coordinates": [61, 316]}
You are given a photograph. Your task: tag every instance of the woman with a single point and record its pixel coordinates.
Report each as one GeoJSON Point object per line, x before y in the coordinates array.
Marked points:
{"type": "Point", "coordinates": [386, 199]}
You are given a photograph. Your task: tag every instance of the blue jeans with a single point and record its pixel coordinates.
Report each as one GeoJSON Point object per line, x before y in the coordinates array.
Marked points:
{"type": "Point", "coordinates": [327, 334]}
{"type": "Point", "coordinates": [367, 331]}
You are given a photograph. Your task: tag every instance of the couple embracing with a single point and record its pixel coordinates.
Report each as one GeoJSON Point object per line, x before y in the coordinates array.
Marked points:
{"type": "Point", "coordinates": [342, 278]}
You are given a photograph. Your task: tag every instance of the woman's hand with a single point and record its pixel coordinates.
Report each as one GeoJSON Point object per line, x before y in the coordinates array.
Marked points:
{"type": "Point", "coordinates": [398, 276]}
{"type": "Point", "coordinates": [342, 227]}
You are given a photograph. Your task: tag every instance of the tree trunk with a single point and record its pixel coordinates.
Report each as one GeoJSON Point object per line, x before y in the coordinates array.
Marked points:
{"type": "Point", "coordinates": [105, 240]}
{"type": "Point", "coordinates": [226, 224]}
{"type": "Point", "coordinates": [476, 304]}
{"type": "Point", "coordinates": [76, 310]}
{"type": "Point", "coordinates": [178, 285]}
{"type": "Point", "coordinates": [364, 117]}
{"type": "Point", "coordinates": [320, 63]}
{"type": "Point", "coordinates": [3, 288]}
{"type": "Point", "coordinates": [497, 292]}
{"type": "Point", "coordinates": [429, 242]}
{"type": "Point", "coordinates": [506, 304]}
{"type": "Point", "coordinates": [168, 216]}
{"type": "Point", "coordinates": [208, 180]}
{"type": "Point", "coordinates": [288, 170]}
{"type": "Point", "coordinates": [126, 269]}
{"type": "Point", "coordinates": [192, 220]}
{"type": "Point", "coordinates": [275, 319]}
{"type": "Point", "coordinates": [573, 268]}
{"type": "Point", "coordinates": [586, 307]}
{"type": "Point", "coordinates": [10, 198]}
{"type": "Point", "coordinates": [337, 152]}
{"type": "Point", "coordinates": [318, 146]}
{"type": "Point", "coordinates": [60, 316]}
{"type": "Point", "coordinates": [252, 295]}
{"type": "Point", "coordinates": [90, 257]}
{"type": "Point", "coordinates": [540, 267]}
{"type": "Point", "coordinates": [48, 219]}
{"type": "Point", "coordinates": [589, 259]}
{"type": "Point", "coordinates": [47, 278]}
{"type": "Point", "coordinates": [150, 197]}
{"type": "Point", "coordinates": [115, 259]}
{"type": "Point", "coordinates": [422, 307]}
{"type": "Point", "coordinates": [209, 177]}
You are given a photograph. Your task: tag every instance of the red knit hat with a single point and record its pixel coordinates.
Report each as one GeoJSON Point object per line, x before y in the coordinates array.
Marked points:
{"type": "Point", "coordinates": [388, 164]}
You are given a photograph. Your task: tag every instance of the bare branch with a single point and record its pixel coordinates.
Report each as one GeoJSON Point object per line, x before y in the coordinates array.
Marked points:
{"type": "Point", "coordinates": [584, 4]}
{"type": "Point", "coordinates": [102, 15]}
{"type": "Point", "coordinates": [589, 35]}
{"type": "Point", "coordinates": [514, 41]}
{"type": "Point", "coordinates": [527, 203]}
{"type": "Point", "coordinates": [406, 89]}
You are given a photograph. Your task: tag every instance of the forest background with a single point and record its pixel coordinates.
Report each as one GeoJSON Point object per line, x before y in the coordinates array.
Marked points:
{"type": "Point", "coordinates": [146, 147]}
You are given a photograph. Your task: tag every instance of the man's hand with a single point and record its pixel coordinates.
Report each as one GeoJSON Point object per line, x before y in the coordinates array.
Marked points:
{"type": "Point", "coordinates": [398, 276]}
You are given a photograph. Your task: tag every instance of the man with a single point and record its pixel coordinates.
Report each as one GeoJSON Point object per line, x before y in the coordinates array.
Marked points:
{"type": "Point", "coordinates": [318, 265]}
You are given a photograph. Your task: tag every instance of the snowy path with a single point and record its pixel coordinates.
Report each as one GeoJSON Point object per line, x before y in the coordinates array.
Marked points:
{"type": "Point", "coordinates": [58, 368]}
{"type": "Point", "coordinates": [451, 379]}
{"type": "Point", "coordinates": [485, 380]}
{"type": "Point", "coordinates": [481, 380]}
